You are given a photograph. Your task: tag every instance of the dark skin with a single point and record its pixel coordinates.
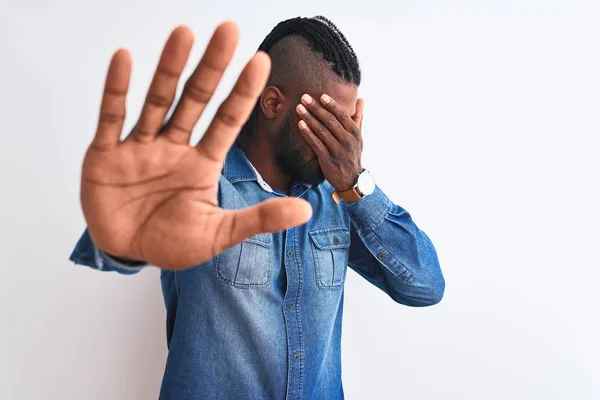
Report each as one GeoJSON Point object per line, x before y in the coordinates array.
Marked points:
{"type": "Point", "coordinates": [325, 136]}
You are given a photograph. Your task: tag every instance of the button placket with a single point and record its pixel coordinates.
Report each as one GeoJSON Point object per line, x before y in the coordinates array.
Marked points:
{"type": "Point", "coordinates": [291, 309]}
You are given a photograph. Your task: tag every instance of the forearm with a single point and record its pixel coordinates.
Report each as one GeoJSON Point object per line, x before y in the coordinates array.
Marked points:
{"type": "Point", "coordinates": [393, 253]}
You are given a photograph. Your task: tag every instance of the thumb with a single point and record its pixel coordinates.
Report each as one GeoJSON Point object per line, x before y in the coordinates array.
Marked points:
{"type": "Point", "coordinates": [267, 217]}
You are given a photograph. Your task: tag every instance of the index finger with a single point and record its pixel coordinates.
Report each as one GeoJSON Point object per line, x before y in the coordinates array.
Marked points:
{"type": "Point", "coordinates": [358, 116]}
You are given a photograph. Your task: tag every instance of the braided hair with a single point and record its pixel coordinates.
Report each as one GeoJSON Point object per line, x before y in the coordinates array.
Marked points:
{"type": "Point", "coordinates": [305, 49]}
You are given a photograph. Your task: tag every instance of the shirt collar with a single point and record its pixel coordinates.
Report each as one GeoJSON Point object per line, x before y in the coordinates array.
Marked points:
{"type": "Point", "coordinates": [238, 168]}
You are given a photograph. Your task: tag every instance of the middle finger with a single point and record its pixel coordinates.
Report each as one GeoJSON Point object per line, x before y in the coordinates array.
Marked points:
{"type": "Point", "coordinates": [201, 86]}
{"type": "Point", "coordinates": [320, 130]}
{"type": "Point", "coordinates": [327, 118]}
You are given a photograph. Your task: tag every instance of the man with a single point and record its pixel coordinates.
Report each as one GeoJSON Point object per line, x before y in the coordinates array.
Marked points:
{"type": "Point", "coordinates": [253, 284]}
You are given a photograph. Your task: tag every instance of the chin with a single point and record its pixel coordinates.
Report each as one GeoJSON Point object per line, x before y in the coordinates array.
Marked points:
{"type": "Point", "coordinates": [311, 173]}
{"type": "Point", "coordinates": [313, 165]}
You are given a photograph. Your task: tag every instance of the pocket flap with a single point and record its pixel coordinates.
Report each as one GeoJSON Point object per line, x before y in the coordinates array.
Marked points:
{"type": "Point", "coordinates": [264, 239]}
{"type": "Point", "coordinates": [331, 238]}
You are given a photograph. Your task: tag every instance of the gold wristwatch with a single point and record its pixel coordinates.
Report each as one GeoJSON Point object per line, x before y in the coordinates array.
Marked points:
{"type": "Point", "coordinates": [364, 186]}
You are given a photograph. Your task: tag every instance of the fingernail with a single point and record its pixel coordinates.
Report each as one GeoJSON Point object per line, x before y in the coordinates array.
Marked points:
{"type": "Point", "coordinates": [302, 124]}
{"type": "Point", "coordinates": [307, 99]}
{"type": "Point", "coordinates": [301, 109]}
{"type": "Point", "coordinates": [326, 99]}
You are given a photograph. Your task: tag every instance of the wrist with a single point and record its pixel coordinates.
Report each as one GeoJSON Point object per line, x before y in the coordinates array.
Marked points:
{"type": "Point", "coordinates": [364, 186]}
{"type": "Point", "coordinates": [349, 183]}
{"type": "Point", "coordinates": [127, 261]}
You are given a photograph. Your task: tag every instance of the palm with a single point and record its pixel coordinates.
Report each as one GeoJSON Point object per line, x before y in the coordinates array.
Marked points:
{"type": "Point", "coordinates": [154, 197]}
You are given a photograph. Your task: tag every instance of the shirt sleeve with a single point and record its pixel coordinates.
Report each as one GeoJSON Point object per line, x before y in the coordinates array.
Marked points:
{"type": "Point", "coordinates": [86, 253]}
{"type": "Point", "coordinates": [390, 251]}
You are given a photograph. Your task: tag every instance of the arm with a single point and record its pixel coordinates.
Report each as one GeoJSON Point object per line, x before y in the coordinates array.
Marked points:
{"type": "Point", "coordinates": [391, 252]}
{"type": "Point", "coordinates": [387, 248]}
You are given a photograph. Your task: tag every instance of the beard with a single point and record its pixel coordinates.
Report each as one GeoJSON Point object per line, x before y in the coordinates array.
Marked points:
{"type": "Point", "coordinates": [294, 157]}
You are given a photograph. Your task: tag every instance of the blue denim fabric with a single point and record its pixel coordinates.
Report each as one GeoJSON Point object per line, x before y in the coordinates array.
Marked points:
{"type": "Point", "coordinates": [262, 320]}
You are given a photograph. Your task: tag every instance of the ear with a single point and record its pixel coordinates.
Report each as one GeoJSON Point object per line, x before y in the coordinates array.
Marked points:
{"type": "Point", "coordinates": [271, 102]}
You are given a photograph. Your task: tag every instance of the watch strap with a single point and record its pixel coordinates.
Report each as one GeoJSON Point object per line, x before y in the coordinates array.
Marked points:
{"type": "Point", "coordinates": [350, 195]}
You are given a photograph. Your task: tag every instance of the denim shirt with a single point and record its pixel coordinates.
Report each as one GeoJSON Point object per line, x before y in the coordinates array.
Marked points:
{"type": "Point", "coordinates": [263, 319]}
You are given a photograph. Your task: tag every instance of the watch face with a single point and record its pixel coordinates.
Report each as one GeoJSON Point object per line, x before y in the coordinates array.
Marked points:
{"type": "Point", "coordinates": [366, 183]}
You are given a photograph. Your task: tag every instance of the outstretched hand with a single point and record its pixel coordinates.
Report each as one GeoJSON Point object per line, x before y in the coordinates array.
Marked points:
{"type": "Point", "coordinates": [152, 196]}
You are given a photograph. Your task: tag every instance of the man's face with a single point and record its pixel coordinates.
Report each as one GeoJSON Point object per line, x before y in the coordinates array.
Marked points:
{"type": "Point", "coordinates": [293, 154]}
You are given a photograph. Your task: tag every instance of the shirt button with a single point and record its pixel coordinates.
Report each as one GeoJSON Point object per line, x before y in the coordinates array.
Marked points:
{"type": "Point", "coordinates": [296, 357]}
{"type": "Point", "coordinates": [381, 256]}
{"type": "Point", "coordinates": [292, 305]}
{"type": "Point", "coordinates": [336, 240]}
{"type": "Point", "coordinates": [290, 253]}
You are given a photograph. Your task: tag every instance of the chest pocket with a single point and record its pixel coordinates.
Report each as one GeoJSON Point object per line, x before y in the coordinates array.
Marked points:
{"type": "Point", "coordinates": [330, 248]}
{"type": "Point", "coordinates": [247, 264]}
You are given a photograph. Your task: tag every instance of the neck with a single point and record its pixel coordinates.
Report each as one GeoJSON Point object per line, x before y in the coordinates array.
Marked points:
{"type": "Point", "coordinates": [262, 156]}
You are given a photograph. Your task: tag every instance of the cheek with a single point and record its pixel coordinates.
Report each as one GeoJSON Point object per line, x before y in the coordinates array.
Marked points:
{"type": "Point", "coordinates": [295, 130]}
{"type": "Point", "coordinates": [299, 140]}
{"type": "Point", "coordinates": [297, 135]}
{"type": "Point", "coordinates": [302, 143]}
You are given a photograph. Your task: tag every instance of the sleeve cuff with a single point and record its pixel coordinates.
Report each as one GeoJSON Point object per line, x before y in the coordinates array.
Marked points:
{"type": "Point", "coordinates": [369, 211]}
{"type": "Point", "coordinates": [86, 253]}
{"type": "Point", "coordinates": [104, 261]}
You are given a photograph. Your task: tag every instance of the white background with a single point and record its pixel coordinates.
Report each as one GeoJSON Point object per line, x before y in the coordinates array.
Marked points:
{"type": "Point", "coordinates": [481, 118]}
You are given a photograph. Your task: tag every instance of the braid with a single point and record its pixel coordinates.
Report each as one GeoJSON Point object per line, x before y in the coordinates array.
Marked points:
{"type": "Point", "coordinates": [280, 31]}
{"type": "Point", "coordinates": [349, 55]}
{"type": "Point", "coordinates": [326, 39]}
